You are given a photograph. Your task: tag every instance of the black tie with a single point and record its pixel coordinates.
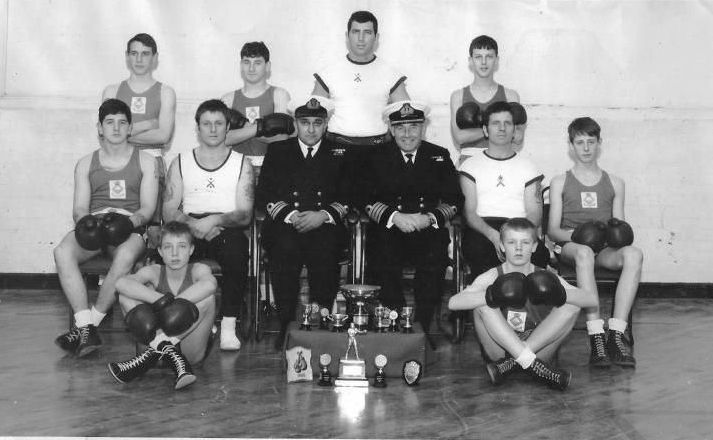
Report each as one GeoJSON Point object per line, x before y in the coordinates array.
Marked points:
{"type": "Point", "coordinates": [409, 161]}
{"type": "Point", "coordinates": [309, 153]}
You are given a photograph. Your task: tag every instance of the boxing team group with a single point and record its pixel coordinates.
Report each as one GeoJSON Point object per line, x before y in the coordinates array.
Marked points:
{"type": "Point", "coordinates": [355, 146]}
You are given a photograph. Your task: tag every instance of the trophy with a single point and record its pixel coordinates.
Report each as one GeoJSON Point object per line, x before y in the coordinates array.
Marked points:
{"type": "Point", "coordinates": [325, 377]}
{"type": "Point", "coordinates": [393, 326]}
{"type": "Point", "coordinates": [358, 296]}
{"type": "Point", "coordinates": [338, 321]}
{"type": "Point", "coordinates": [352, 372]}
{"type": "Point", "coordinates": [412, 372]}
{"type": "Point", "coordinates": [323, 318]}
{"type": "Point", "coordinates": [407, 314]}
{"type": "Point", "coordinates": [381, 316]}
{"type": "Point", "coordinates": [306, 316]}
{"type": "Point", "coordinates": [380, 377]}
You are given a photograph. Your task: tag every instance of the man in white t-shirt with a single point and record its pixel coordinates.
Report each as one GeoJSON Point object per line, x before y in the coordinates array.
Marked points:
{"type": "Point", "coordinates": [497, 184]}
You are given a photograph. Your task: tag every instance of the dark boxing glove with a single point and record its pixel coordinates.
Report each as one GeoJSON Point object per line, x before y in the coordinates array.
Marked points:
{"type": "Point", "coordinates": [237, 120]}
{"type": "Point", "coordinates": [177, 317]}
{"type": "Point", "coordinates": [89, 233]}
{"type": "Point", "coordinates": [619, 233]}
{"type": "Point", "coordinates": [162, 302]}
{"type": "Point", "coordinates": [519, 115]}
{"type": "Point", "coordinates": [142, 323]}
{"type": "Point", "coordinates": [508, 290]}
{"type": "Point", "coordinates": [117, 228]}
{"type": "Point", "coordinates": [592, 234]}
{"type": "Point", "coordinates": [468, 116]}
{"type": "Point", "coordinates": [274, 124]}
{"type": "Point", "coordinates": [544, 287]}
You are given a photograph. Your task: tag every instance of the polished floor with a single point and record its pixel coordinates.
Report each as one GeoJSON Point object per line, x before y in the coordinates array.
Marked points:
{"type": "Point", "coordinates": [44, 392]}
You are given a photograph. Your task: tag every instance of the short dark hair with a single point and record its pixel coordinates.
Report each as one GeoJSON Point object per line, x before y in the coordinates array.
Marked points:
{"type": "Point", "coordinates": [483, 42]}
{"type": "Point", "coordinates": [584, 126]}
{"type": "Point", "coordinates": [145, 39]}
{"type": "Point", "coordinates": [363, 17]}
{"type": "Point", "coordinates": [255, 49]}
{"type": "Point", "coordinates": [213, 106]}
{"type": "Point", "coordinates": [114, 106]}
{"type": "Point", "coordinates": [176, 228]}
{"type": "Point", "coordinates": [519, 224]}
{"type": "Point", "coordinates": [496, 107]}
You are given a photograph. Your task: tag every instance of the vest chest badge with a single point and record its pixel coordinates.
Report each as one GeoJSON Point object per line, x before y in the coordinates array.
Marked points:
{"type": "Point", "coordinates": [589, 199]}
{"type": "Point", "coordinates": [117, 189]}
{"type": "Point", "coordinates": [138, 105]}
{"type": "Point", "coordinates": [252, 113]}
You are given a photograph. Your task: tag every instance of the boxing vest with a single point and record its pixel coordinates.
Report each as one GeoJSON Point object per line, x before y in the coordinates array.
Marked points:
{"type": "Point", "coordinates": [119, 189]}
{"type": "Point", "coordinates": [254, 108]}
{"type": "Point", "coordinates": [209, 191]}
{"type": "Point", "coordinates": [163, 286]}
{"type": "Point", "coordinates": [581, 203]}
{"type": "Point", "coordinates": [499, 96]}
{"type": "Point", "coordinates": [144, 106]}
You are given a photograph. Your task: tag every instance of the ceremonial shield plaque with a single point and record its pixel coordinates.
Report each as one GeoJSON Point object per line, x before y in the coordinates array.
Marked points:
{"type": "Point", "coordinates": [412, 372]}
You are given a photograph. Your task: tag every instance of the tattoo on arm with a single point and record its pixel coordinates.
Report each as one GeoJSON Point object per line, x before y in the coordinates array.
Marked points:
{"type": "Point", "coordinates": [538, 193]}
{"type": "Point", "coordinates": [249, 191]}
{"type": "Point", "coordinates": [140, 219]}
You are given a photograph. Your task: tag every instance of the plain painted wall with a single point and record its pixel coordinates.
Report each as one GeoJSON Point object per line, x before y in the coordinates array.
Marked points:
{"type": "Point", "coordinates": [641, 68]}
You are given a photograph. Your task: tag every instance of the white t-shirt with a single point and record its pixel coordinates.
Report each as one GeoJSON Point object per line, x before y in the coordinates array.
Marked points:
{"type": "Point", "coordinates": [210, 191]}
{"type": "Point", "coordinates": [500, 183]}
{"type": "Point", "coordinates": [360, 92]}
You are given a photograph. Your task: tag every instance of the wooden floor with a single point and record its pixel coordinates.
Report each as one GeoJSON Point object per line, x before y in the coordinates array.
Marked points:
{"type": "Point", "coordinates": [44, 392]}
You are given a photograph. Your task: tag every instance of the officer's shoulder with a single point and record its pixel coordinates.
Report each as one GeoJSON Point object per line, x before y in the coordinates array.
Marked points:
{"type": "Point", "coordinates": [282, 145]}
{"type": "Point", "coordinates": [436, 152]}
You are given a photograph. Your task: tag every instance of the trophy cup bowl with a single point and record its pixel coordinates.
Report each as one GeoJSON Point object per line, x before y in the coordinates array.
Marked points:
{"type": "Point", "coordinates": [407, 314]}
{"type": "Point", "coordinates": [358, 296]}
{"type": "Point", "coordinates": [338, 321]}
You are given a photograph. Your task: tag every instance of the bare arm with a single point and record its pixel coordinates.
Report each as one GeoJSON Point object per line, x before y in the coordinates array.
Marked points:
{"type": "Point", "coordinates": [533, 202]}
{"type": "Point", "coordinates": [204, 284]}
{"type": "Point", "coordinates": [470, 206]}
{"type": "Point", "coordinates": [511, 95]}
{"type": "Point", "coordinates": [110, 92]}
{"type": "Point", "coordinates": [173, 195]}
{"type": "Point", "coordinates": [244, 200]}
{"type": "Point", "coordinates": [149, 190]}
{"type": "Point", "coordinates": [554, 231]}
{"type": "Point", "coordinates": [135, 286]}
{"type": "Point", "coordinates": [618, 202]}
{"type": "Point", "coordinates": [166, 121]}
{"type": "Point", "coordinates": [462, 135]}
{"type": "Point", "coordinates": [238, 135]}
{"type": "Point", "coordinates": [82, 189]}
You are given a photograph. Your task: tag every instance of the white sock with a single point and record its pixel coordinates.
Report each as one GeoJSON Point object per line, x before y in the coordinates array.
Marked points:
{"type": "Point", "coordinates": [97, 316]}
{"type": "Point", "coordinates": [160, 337]}
{"type": "Point", "coordinates": [595, 326]}
{"type": "Point", "coordinates": [526, 358]}
{"type": "Point", "coordinates": [617, 324]}
{"type": "Point", "coordinates": [228, 322]}
{"type": "Point", "coordinates": [83, 318]}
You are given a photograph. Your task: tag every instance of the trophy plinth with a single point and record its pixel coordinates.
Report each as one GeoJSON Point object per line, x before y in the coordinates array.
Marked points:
{"type": "Point", "coordinates": [352, 371]}
{"type": "Point", "coordinates": [407, 314]}
{"type": "Point", "coordinates": [380, 377]}
{"type": "Point", "coordinates": [325, 377]}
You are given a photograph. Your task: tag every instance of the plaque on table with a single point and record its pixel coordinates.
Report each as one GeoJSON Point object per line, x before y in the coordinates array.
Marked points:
{"type": "Point", "coordinates": [352, 370]}
{"type": "Point", "coordinates": [299, 368]}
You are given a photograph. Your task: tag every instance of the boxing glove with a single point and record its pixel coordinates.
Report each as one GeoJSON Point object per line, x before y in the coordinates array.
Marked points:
{"type": "Point", "coordinates": [89, 233]}
{"type": "Point", "coordinates": [162, 302]}
{"type": "Point", "coordinates": [142, 323]}
{"type": "Point", "coordinates": [544, 287]}
{"type": "Point", "coordinates": [177, 317]}
{"type": "Point", "coordinates": [274, 124]}
{"type": "Point", "coordinates": [508, 290]}
{"type": "Point", "coordinates": [237, 120]}
{"type": "Point", "coordinates": [117, 228]}
{"type": "Point", "coordinates": [619, 233]}
{"type": "Point", "coordinates": [592, 234]}
{"type": "Point", "coordinates": [519, 115]}
{"type": "Point", "coordinates": [468, 116]}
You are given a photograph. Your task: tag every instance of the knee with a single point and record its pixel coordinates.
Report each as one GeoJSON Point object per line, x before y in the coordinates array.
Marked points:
{"type": "Point", "coordinates": [62, 254]}
{"type": "Point", "coordinates": [123, 261]}
{"type": "Point", "coordinates": [569, 310]}
{"type": "Point", "coordinates": [584, 256]}
{"type": "Point", "coordinates": [633, 257]}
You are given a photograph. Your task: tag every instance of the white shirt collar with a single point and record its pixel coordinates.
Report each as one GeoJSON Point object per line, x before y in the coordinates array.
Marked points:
{"type": "Point", "coordinates": [403, 154]}
{"type": "Point", "coordinates": [304, 147]}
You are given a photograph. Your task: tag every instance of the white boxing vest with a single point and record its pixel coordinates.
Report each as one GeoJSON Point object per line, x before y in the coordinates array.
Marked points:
{"type": "Point", "coordinates": [209, 191]}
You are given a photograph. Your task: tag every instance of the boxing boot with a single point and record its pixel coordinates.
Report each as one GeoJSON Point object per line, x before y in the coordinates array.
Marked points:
{"type": "Point", "coordinates": [619, 349]}
{"type": "Point", "coordinates": [129, 370]}
{"type": "Point", "coordinates": [88, 340]}
{"type": "Point", "coordinates": [598, 357]}
{"type": "Point", "coordinates": [182, 371]}
{"type": "Point", "coordinates": [68, 341]}
{"type": "Point", "coordinates": [500, 369]}
{"type": "Point", "coordinates": [552, 377]}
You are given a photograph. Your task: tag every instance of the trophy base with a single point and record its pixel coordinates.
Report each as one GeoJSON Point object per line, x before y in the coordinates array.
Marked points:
{"type": "Point", "coordinates": [305, 327]}
{"type": "Point", "coordinates": [407, 330]}
{"type": "Point", "coordinates": [380, 382]}
{"type": "Point", "coordinates": [351, 382]}
{"type": "Point", "coordinates": [324, 383]}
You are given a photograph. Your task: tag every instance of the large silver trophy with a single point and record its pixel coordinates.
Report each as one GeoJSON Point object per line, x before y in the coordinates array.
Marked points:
{"type": "Point", "coordinates": [352, 371]}
{"type": "Point", "coordinates": [360, 298]}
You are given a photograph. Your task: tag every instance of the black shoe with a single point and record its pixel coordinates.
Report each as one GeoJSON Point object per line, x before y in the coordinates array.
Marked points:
{"type": "Point", "coordinates": [68, 341]}
{"type": "Point", "coordinates": [598, 357]}
{"type": "Point", "coordinates": [129, 370]}
{"type": "Point", "coordinates": [181, 368]}
{"type": "Point", "coordinates": [620, 350]}
{"type": "Point", "coordinates": [552, 377]}
{"type": "Point", "coordinates": [88, 340]}
{"type": "Point", "coordinates": [500, 369]}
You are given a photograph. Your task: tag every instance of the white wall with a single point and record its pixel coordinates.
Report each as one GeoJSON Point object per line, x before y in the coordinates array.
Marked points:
{"type": "Point", "coordinates": [641, 68]}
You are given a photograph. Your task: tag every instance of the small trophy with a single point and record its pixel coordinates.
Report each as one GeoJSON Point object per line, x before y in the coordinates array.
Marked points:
{"type": "Point", "coordinates": [412, 372]}
{"type": "Point", "coordinates": [352, 372]}
{"type": "Point", "coordinates": [338, 320]}
{"type": "Point", "coordinates": [325, 377]}
{"type": "Point", "coordinates": [407, 314]}
{"type": "Point", "coordinates": [393, 325]}
{"type": "Point", "coordinates": [380, 377]}
{"type": "Point", "coordinates": [306, 318]}
{"type": "Point", "coordinates": [381, 315]}
{"type": "Point", "coordinates": [323, 318]}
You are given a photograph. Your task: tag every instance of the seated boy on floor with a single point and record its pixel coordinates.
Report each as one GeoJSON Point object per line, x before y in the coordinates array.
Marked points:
{"type": "Point", "coordinates": [511, 286]}
{"type": "Point", "coordinates": [168, 304]}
